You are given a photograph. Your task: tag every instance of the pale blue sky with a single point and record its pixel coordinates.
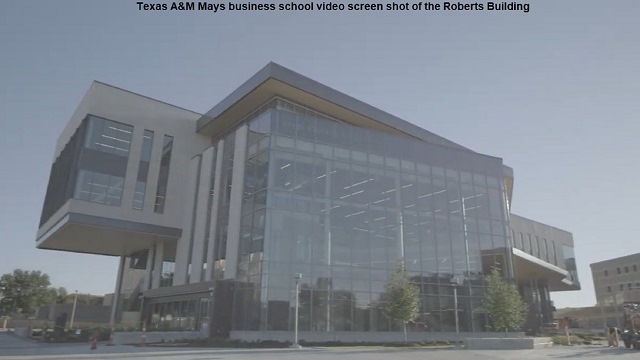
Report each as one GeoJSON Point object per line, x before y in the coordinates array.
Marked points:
{"type": "Point", "coordinates": [555, 93]}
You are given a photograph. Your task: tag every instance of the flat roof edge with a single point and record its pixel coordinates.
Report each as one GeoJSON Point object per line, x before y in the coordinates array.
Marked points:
{"type": "Point", "coordinates": [144, 96]}
{"type": "Point", "coordinates": [315, 88]}
{"type": "Point", "coordinates": [236, 95]}
{"type": "Point", "coordinates": [619, 258]}
{"type": "Point", "coordinates": [541, 223]}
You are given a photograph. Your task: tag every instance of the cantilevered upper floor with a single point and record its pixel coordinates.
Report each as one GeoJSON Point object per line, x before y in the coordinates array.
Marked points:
{"type": "Point", "coordinates": [116, 174]}
{"type": "Point", "coordinates": [542, 251]}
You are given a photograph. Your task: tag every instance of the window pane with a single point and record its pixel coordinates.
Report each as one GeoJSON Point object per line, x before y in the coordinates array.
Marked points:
{"type": "Point", "coordinates": [109, 136]}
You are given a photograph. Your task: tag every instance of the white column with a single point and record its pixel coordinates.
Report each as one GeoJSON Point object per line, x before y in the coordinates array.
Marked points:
{"type": "Point", "coordinates": [201, 215]}
{"type": "Point", "coordinates": [235, 202]}
{"type": "Point", "coordinates": [157, 265]}
{"type": "Point", "coordinates": [154, 173]}
{"type": "Point", "coordinates": [129, 186]}
{"type": "Point", "coordinates": [400, 231]}
{"type": "Point", "coordinates": [213, 223]}
{"type": "Point", "coordinates": [183, 249]}
{"type": "Point", "coordinates": [116, 294]}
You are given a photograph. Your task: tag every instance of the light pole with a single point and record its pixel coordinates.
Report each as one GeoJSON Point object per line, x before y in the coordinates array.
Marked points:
{"type": "Point", "coordinates": [464, 225]}
{"type": "Point", "coordinates": [73, 310]}
{"type": "Point", "coordinates": [455, 281]}
{"type": "Point", "coordinates": [297, 278]}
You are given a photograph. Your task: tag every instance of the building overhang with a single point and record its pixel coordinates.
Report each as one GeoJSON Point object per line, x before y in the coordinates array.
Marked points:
{"type": "Point", "coordinates": [530, 268]}
{"type": "Point", "coordinates": [180, 292]}
{"type": "Point", "coordinates": [276, 81]}
{"type": "Point", "coordinates": [90, 234]}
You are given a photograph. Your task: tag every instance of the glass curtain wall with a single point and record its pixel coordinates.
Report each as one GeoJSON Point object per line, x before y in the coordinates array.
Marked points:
{"type": "Point", "coordinates": [103, 161]}
{"type": "Point", "coordinates": [342, 205]}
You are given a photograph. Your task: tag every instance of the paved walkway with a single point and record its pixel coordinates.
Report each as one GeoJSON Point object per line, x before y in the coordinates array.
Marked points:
{"type": "Point", "coordinates": [15, 348]}
{"type": "Point", "coordinates": [10, 341]}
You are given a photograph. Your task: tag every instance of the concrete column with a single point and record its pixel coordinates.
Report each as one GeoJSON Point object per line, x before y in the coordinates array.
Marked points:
{"type": "Point", "coordinates": [129, 186]}
{"type": "Point", "coordinates": [154, 173]}
{"type": "Point", "coordinates": [235, 202]}
{"type": "Point", "coordinates": [183, 250]}
{"type": "Point", "coordinates": [157, 265]}
{"type": "Point", "coordinates": [149, 269]}
{"type": "Point", "coordinates": [116, 294]}
{"type": "Point", "coordinates": [199, 231]}
{"type": "Point", "coordinates": [213, 222]}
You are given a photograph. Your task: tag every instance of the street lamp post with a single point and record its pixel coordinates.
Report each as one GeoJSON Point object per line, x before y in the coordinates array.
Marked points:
{"type": "Point", "coordinates": [455, 307]}
{"type": "Point", "coordinates": [455, 282]}
{"type": "Point", "coordinates": [73, 310]}
{"type": "Point", "coordinates": [297, 278]}
{"type": "Point", "coordinates": [464, 225]}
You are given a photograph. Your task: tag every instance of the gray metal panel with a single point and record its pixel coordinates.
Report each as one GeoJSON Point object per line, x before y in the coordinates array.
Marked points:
{"type": "Point", "coordinates": [287, 76]}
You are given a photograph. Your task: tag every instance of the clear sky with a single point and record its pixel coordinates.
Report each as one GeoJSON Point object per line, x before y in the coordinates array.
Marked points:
{"type": "Point", "coordinates": [555, 92]}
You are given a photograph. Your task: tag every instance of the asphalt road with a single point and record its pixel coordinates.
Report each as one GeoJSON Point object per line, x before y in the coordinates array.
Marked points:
{"type": "Point", "coordinates": [12, 347]}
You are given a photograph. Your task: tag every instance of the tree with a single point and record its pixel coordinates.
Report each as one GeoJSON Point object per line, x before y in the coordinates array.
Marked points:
{"type": "Point", "coordinates": [504, 304]}
{"type": "Point", "coordinates": [24, 291]}
{"type": "Point", "coordinates": [402, 298]}
{"type": "Point", "coordinates": [57, 295]}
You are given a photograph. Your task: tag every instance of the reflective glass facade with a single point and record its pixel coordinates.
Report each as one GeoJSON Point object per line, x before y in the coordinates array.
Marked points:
{"type": "Point", "coordinates": [342, 204]}
{"type": "Point", "coordinates": [103, 161]}
{"type": "Point", "coordinates": [98, 187]}
{"type": "Point", "coordinates": [91, 167]}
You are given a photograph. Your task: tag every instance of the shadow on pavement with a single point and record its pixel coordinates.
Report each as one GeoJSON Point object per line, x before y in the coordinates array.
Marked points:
{"type": "Point", "coordinates": [596, 352]}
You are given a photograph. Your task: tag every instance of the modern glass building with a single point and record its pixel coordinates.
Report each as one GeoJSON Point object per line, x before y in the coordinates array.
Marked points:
{"type": "Point", "coordinates": [287, 176]}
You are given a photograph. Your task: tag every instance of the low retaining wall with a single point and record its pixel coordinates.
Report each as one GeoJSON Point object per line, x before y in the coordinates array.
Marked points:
{"type": "Point", "coordinates": [507, 343]}
{"type": "Point", "coordinates": [135, 337]}
{"type": "Point", "coordinates": [364, 336]}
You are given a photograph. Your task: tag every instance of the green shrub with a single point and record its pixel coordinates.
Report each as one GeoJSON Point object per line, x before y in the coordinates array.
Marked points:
{"type": "Point", "coordinates": [562, 340]}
